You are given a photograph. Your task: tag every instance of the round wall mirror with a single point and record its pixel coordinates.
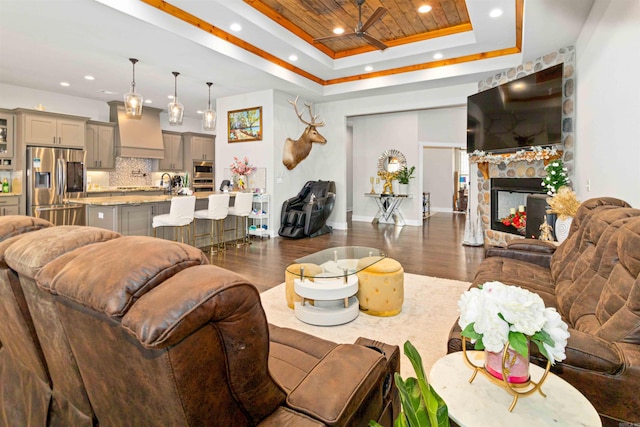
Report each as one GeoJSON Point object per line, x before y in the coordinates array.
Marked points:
{"type": "Point", "coordinates": [391, 161]}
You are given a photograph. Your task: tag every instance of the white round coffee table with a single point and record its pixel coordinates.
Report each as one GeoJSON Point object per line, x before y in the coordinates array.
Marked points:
{"type": "Point", "coordinates": [334, 301]}
{"type": "Point", "coordinates": [483, 403]}
{"type": "Point", "coordinates": [329, 298]}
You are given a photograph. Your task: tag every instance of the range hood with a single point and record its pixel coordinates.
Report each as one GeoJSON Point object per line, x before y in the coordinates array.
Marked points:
{"type": "Point", "coordinates": [137, 137]}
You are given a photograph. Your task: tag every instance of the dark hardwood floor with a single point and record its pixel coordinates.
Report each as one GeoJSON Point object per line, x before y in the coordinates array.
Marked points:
{"type": "Point", "coordinates": [434, 250]}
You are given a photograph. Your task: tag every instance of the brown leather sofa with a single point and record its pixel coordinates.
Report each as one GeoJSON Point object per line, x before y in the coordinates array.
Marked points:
{"type": "Point", "coordinates": [25, 383]}
{"type": "Point", "coordinates": [593, 280]}
{"type": "Point", "coordinates": [158, 337]}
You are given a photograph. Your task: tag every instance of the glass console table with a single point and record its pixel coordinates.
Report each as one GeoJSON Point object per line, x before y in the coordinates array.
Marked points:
{"type": "Point", "coordinates": [328, 284]}
{"type": "Point", "coordinates": [389, 208]}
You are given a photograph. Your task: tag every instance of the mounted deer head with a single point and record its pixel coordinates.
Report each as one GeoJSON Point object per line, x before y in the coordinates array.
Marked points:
{"type": "Point", "coordinates": [297, 150]}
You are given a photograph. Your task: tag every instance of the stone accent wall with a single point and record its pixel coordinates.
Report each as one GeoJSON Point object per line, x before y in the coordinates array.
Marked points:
{"type": "Point", "coordinates": [534, 169]}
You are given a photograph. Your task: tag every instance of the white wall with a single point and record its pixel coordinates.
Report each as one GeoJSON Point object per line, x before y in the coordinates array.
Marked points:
{"type": "Point", "coordinates": [608, 102]}
{"type": "Point", "coordinates": [372, 135]}
{"type": "Point", "coordinates": [438, 177]}
{"type": "Point", "coordinates": [444, 125]}
{"type": "Point", "coordinates": [259, 153]}
{"type": "Point", "coordinates": [21, 97]}
{"type": "Point", "coordinates": [335, 113]}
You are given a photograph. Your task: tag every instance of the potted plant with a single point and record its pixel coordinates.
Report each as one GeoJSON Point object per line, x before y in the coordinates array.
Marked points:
{"type": "Point", "coordinates": [404, 175]}
{"type": "Point", "coordinates": [421, 405]}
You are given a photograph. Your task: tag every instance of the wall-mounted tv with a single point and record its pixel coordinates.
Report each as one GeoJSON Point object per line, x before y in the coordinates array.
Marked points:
{"type": "Point", "coordinates": [522, 113]}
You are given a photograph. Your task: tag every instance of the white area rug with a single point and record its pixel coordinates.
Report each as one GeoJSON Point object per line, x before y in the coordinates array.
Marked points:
{"type": "Point", "coordinates": [428, 313]}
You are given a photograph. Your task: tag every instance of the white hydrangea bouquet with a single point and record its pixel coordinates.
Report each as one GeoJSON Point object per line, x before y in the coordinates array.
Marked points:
{"type": "Point", "coordinates": [496, 314]}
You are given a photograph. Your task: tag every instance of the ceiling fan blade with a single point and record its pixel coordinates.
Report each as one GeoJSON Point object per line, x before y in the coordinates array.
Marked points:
{"type": "Point", "coordinates": [322, 39]}
{"type": "Point", "coordinates": [374, 41]}
{"type": "Point", "coordinates": [378, 14]}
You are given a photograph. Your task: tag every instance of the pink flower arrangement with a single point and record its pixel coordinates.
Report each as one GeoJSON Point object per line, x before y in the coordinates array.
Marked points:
{"type": "Point", "coordinates": [242, 167]}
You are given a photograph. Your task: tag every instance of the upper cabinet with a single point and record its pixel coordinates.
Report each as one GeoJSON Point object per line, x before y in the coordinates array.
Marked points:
{"type": "Point", "coordinates": [100, 143]}
{"type": "Point", "coordinates": [199, 146]}
{"type": "Point", "coordinates": [173, 152]}
{"type": "Point", "coordinates": [6, 141]}
{"type": "Point", "coordinates": [40, 128]}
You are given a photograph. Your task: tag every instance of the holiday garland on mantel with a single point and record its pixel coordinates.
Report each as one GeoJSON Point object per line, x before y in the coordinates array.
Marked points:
{"type": "Point", "coordinates": [533, 154]}
{"type": "Point", "coordinates": [483, 159]}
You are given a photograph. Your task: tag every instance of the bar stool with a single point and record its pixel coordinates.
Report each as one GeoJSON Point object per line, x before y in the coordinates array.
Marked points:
{"type": "Point", "coordinates": [180, 216]}
{"type": "Point", "coordinates": [241, 209]}
{"type": "Point", "coordinates": [216, 212]}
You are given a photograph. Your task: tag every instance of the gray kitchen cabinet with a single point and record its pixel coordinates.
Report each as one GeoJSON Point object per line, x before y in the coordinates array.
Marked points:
{"type": "Point", "coordinates": [7, 161]}
{"type": "Point", "coordinates": [102, 217]}
{"type": "Point", "coordinates": [199, 146]}
{"type": "Point", "coordinates": [100, 143]}
{"type": "Point", "coordinates": [9, 205]}
{"type": "Point", "coordinates": [135, 220]}
{"type": "Point", "coordinates": [173, 152]}
{"type": "Point", "coordinates": [49, 129]}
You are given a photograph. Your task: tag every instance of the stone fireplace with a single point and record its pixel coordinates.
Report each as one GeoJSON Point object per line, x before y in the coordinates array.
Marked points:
{"type": "Point", "coordinates": [523, 165]}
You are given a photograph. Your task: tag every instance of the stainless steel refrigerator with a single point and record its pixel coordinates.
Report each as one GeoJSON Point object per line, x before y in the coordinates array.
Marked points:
{"type": "Point", "coordinates": [53, 175]}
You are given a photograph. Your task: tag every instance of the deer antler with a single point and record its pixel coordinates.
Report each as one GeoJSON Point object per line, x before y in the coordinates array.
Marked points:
{"type": "Point", "coordinates": [313, 118]}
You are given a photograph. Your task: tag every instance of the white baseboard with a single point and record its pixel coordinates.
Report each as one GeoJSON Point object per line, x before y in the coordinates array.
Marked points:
{"type": "Point", "coordinates": [337, 225]}
{"type": "Point", "coordinates": [416, 223]}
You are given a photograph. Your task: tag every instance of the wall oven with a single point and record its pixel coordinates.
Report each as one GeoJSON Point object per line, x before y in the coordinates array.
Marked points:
{"type": "Point", "coordinates": [202, 176]}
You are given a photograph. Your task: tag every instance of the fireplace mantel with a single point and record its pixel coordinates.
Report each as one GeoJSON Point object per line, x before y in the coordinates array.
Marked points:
{"type": "Point", "coordinates": [483, 159]}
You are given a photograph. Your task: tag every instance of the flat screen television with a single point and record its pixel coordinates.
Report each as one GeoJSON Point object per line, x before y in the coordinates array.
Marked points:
{"type": "Point", "coordinates": [522, 113]}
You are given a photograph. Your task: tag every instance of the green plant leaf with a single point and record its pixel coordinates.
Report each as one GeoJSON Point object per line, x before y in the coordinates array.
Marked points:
{"type": "Point", "coordinates": [544, 337]}
{"type": "Point", "coordinates": [412, 409]}
{"type": "Point", "coordinates": [430, 397]}
{"type": "Point", "coordinates": [470, 332]}
{"type": "Point", "coordinates": [518, 341]}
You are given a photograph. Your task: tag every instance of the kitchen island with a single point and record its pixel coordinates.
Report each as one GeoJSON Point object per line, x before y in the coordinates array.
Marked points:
{"type": "Point", "coordinates": [132, 215]}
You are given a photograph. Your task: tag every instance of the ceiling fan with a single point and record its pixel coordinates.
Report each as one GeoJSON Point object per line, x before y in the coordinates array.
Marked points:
{"type": "Point", "coordinates": [361, 29]}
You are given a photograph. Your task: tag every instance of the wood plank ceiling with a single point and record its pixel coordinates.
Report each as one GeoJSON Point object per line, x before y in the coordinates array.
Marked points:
{"type": "Point", "coordinates": [402, 24]}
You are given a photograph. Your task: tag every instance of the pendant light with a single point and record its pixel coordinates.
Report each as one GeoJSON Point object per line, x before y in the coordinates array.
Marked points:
{"type": "Point", "coordinates": [209, 115]}
{"type": "Point", "coordinates": [176, 109]}
{"type": "Point", "coordinates": [133, 100]}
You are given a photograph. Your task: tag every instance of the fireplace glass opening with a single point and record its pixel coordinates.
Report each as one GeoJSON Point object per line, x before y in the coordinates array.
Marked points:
{"type": "Point", "coordinates": [509, 195]}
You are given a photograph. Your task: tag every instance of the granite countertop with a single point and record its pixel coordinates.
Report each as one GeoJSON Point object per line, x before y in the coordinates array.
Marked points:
{"type": "Point", "coordinates": [133, 199]}
{"type": "Point", "coordinates": [124, 189]}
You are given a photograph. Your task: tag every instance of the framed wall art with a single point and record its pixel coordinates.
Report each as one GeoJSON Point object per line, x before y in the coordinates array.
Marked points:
{"type": "Point", "coordinates": [245, 125]}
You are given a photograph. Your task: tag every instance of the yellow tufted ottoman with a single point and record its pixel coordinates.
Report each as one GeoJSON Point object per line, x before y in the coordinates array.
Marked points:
{"type": "Point", "coordinates": [293, 272]}
{"type": "Point", "coordinates": [381, 287]}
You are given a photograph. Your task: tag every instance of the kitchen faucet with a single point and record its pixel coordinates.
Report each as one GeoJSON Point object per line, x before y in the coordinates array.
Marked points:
{"type": "Point", "coordinates": [168, 191]}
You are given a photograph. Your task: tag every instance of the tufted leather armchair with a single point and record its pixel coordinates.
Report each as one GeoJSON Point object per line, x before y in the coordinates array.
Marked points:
{"type": "Point", "coordinates": [306, 214]}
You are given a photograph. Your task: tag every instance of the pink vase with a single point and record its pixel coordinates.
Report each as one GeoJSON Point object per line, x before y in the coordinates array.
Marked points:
{"type": "Point", "coordinates": [516, 366]}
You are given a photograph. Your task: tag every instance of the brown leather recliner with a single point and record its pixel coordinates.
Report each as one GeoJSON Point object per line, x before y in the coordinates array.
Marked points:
{"type": "Point", "coordinates": [26, 256]}
{"type": "Point", "coordinates": [158, 343]}
{"type": "Point", "coordinates": [25, 385]}
{"type": "Point", "coordinates": [593, 280]}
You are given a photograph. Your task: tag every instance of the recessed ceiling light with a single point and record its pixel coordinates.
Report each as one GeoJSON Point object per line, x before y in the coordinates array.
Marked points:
{"type": "Point", "coordinates": [148, 101]}
{"type": "Point", "coordinates": [368, 68]}
{"type": "Point", "coordinates": [89, 78]}
{"type": "Point", "coordinates": [338, 30]}
{"type": "Point", "coordinates": [107, 92]}
{"type": "Point", "coordinates": [65, 84]}
{"type": "Point", "coordinates": [199, 112]}
{"type": "Point", "coordinates": [293, 58]}
{"type": "Point", "coordinates": [424, 8]}
{"type": "Point", "coordinates": [495, 13]}
{"type": "Point", "coordinates": [235, 27]}
{"type": "Point", "coordinates": [170, 96]}
{"type": "Point", "coordinates": [437, 55]}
